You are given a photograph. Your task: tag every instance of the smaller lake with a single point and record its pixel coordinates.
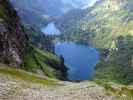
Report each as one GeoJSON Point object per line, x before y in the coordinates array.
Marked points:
{"type": "Point", "coordinates": [80, 59]}
{"type": "Point", "coordinates": [50, 29]}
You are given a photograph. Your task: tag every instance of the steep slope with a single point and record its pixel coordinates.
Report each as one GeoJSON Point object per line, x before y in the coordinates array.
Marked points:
{"type": "Point", "coordinates": [18, 50]}
{"type": "Point", "coordinates": [15, 84]}
{"type": "Point", "coordinates": [36, 10]}
{"type": "Point", "coordinates": [111, 19]}
{"type": "Point", "coordinates": [107, 26]}
{"type": "Point", "coordinates": [51, 7]}
{"type": "Point", "coordinates": [117, 65]}
{"type": "Point", "coordinates": [12, 38]}
{"type": "Point", "coordinates": [103, 23]}
{"type": "Point", "coordinates": [69, 25]}
{"type": "Point", "coordinates": [111, 28]}
{"type": "Point", "coordinates": [39, 39]}
{"type": "Point", "coordinates": [48, 7]}
{"type": "Point", "coordinates": [69, 21]}
{"type": "Point", "coordinates": [42, 10]}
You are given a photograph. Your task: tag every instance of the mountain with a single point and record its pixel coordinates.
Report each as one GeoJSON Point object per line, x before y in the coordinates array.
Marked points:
{"type": "Point", "coordinates": [106, 20]}
{"type": "Point", "coordinates": [52, 7]}
{"type": "Point", "coordinates": [48, 7]}
{"type": "Point", "coordinates": [27, 72]}
{"type": "Point", "coordinates": [70, 20]}
{"type": "Point", "coordinates": [111, 28]}
{"type": "Point", "coordinates": [21, 48]}
{"type": "Point", "coordinates": [69, 25]}
{"type": "Point", "coordinates": [81, 4]}
{"type": "Point", "coordinates": [116, 64]}
{"type": "Point", "coordinates": [41, 12]}
{"type": "Point", "coordinates": [31, 13]}
{"type": "Point", "coordinates": [110, 19]}
{"type": "Point", "coordinates": [107, 26]}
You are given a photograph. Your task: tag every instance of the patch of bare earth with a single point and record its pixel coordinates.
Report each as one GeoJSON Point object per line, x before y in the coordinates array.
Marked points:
{"type": "Point", "coordinates": [11, 89]}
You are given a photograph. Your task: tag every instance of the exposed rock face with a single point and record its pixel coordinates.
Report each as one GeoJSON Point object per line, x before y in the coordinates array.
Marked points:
{"type": "Point", "coordinates": [12, 38]}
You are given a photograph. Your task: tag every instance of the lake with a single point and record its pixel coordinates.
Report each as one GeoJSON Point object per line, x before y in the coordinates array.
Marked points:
{"type": "Point", "coordinates": [50, 29]}
{"type": "Point", "coordinates": [80, 59]}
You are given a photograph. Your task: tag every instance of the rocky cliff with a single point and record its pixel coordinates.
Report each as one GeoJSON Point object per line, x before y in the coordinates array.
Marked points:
{"type": "Point", "coordinates": [12, 39]}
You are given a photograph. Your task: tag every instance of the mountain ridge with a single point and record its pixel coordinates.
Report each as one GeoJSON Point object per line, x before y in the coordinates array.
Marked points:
{"type": "Point", "coordinates": [107, 16]}
{"type": "Point", "coordinates": [106, 26]}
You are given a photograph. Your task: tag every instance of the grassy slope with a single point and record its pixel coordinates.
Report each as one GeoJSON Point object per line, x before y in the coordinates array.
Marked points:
{"type": "Point", "coordinates": [123, 92]}
{"type": "Point", "coordinates": [25, 76]}
{"type": "Point", "coordinates": [43, 61]}
{"type": "Point", "coordinates": [2, 13]}
{"type": "Point", "coordinates": [110, 21]}
{"type": "Point", "coordinates": [36, 60]}
{"type": "Point", "coordinates": [118, 66]}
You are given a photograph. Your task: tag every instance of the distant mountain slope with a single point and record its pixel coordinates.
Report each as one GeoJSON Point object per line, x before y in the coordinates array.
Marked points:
{"type": "Point", "coordinates": [39, 12]}
{"type": "Point", "coordinates": [108, 26]}
{"type": "Point", "coordinates": [49, 7]}
{"type": "Point", "coordinates": [106, 20]}
{"type": "Point", "coordinates": [116, 65]}
{"type": "Point", "coordinates": [111, 19]}
{"type": "Point", "coordinates": [31, 13]}
{"type": "Point", "coordinates": [70, 20]}
{"type": "Point", "coordinates": [52, 7]}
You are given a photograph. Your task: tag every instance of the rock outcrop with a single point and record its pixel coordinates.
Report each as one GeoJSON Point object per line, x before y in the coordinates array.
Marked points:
{"type": "Point", "coordinates": [12, 38]}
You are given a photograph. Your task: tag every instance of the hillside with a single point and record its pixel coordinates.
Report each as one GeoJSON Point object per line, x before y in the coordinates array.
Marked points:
{"type": "Point", "coordinates": [112, 29]}
{"type": "Point", "coordinates": [117, 65]}
{"type": "Point", "coordinates": [107, 26]}
{"type": "Point", "coordinates": [17, 48]}
{"type": "Point", "coordinates": [102, 23]}
{"type": "Point", "coordinates": [30, 71]}
{"type": "Point", "coordinates": [13, 40]}
{"type": "Point", "coordinates": [111, 19]}
{"type": "Point", "coordinates": [42, 11]}
{"type": "Point", "coordinates": [37, 10]}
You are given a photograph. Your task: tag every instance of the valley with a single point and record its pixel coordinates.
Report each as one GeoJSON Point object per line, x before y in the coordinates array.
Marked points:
{"type": "Point", "coordinates": [66, 50]}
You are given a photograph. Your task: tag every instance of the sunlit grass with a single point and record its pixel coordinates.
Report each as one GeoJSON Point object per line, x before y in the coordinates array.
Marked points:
{"type": "Point", "coordinates": [25, 76]}
{"type": "Point", "coordinates": [122, 92]}
{"type": "Point", "coordinates": [43, 61]}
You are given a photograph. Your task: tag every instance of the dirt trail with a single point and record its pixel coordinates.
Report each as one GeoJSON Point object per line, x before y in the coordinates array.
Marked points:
{"type": "Point", "coordinates": [18, 90]}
